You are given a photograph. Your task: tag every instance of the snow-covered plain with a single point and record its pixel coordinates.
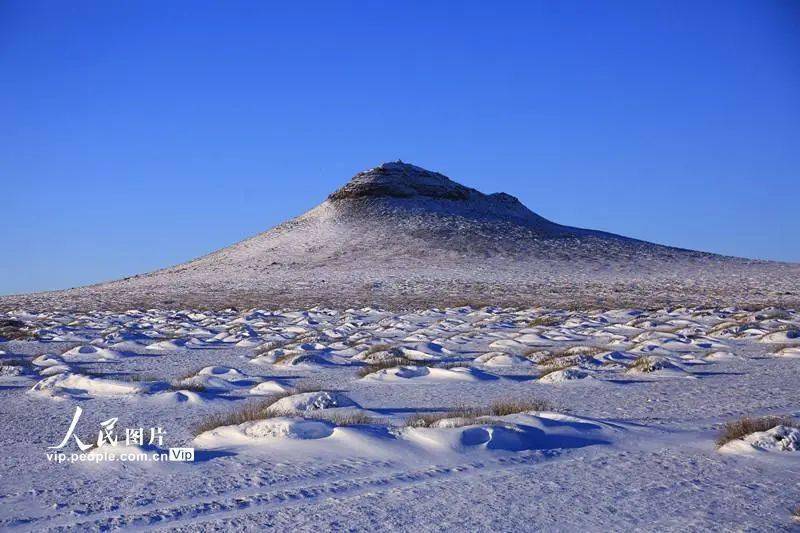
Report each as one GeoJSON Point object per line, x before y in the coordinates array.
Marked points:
{"type": "Point", "coordinates": [627, 441]}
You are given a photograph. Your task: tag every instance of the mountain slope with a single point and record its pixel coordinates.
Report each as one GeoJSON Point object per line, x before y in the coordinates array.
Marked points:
{"type": "Point", "coordinates": [401, 236]}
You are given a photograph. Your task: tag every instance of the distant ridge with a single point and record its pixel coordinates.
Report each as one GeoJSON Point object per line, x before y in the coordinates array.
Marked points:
{"type": "Point", "coordinates": [400, 236]}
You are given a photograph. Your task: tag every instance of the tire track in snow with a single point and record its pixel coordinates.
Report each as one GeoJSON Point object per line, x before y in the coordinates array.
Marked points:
{"type": "Point", "coordinates": [227, 504]}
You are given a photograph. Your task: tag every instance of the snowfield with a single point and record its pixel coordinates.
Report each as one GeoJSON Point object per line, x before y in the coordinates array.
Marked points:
{"type": "Point", "coordinates": [367, 419]}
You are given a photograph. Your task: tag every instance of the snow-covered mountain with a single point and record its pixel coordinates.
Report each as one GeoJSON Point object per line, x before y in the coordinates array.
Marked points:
{"type": "Point", "coordinates": [401, 236]}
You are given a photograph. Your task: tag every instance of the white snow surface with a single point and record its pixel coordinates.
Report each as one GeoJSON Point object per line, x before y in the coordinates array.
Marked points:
{"type": "Point", "coordinates": [619, 451]}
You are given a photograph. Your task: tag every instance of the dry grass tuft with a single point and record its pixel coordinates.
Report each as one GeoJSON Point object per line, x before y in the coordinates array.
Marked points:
{"type": "Point", "coordinates": [262, 409]}
{"type": "Point", "coordinates": [381, 365]}
{"type": "Point", "coordinates": [286, 358]}
{"type": "Point", "coordinates": [191, 387]}
{"type": "Point", "coordinates": [748, 425]}
{"type": "Point", "coordinates": [189, 373]}
{"type": "Point", "coordinates": [354, 418]}
{"type": "Point", "coordinates": [509, 407]}
{"type": "Point", "coordinates": [470, 415]}
{"type": "Point", "coordinates": [267, 346]}
{"type": "Point", "coordinates": [16, 330]}
{"type": "Point", "coordinates": [375, 348]}
{"type": "Point", "coordinates": [583, 350]}
{"type": "Point", "coordinates": [393, 362]}
{"type": "Point", "coordinates": [248, 412]}
{"type": "Point", "coordinates": [548, 321]}
{"type": "Point", "coordinates": [555, 367]}
{"type": "Point", "coordinates": [645, 364]}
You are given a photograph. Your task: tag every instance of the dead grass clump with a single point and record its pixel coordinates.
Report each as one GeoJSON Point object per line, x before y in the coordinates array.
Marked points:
{"type": "Point", "coordinates": [287, 358]}
{"type": "Point", "coordinates": [187, 386]}
{"type": "Point", "coordinates": [722, 327]}
{"type": "Point", "coordinates": [354, 418]}
{"type": "Point", "coordinates": [583, 350]}
{"type": "Point", "coordinates": [302, 338]}
{"type": "Point", "coordinates": [446, 366]}
{"type": "Point", "coordinates": [780, 347]}
{"type": "Point", "coordinates": [378, 352]}
{"type": "Point", "coordinates": [263, 409]}
{"type": "Point", "coordinates": [510, 407]}
{"type": "Point", "coordinates": [189, 374]}
{"type": "Point", "coordinates": [646, 364]}
{"type": "Point", "coordinates": [267, 346]}
{"type": "Point", "coordinates": [467, 415]}
{"type": "Point", "coordinates": [642, 364]}
{"type": "Point", "coordinates": [15, 330]}
{"type": "Point", "coordinates": [550, 368]}
{"type": "Point", "coordinates": [381, 365]}
{"type": "Point", "coordinates": [748, 425]}
{"type": "Point", "coordinates": [548, 321]}
{"type": "Point", "coordinates": [375, 348]}
{"type": "Point", "coordinates": [393, 362]}
{"type": "Point", "coordinates": [248, 412]}
{"type": "Point", "coordinates": [537, 354]}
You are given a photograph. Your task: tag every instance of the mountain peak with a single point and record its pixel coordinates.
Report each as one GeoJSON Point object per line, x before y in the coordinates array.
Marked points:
{"type": "Point", "coordinates": [399, 235]}
{"type": "Point", "coordinates": [402, 180]}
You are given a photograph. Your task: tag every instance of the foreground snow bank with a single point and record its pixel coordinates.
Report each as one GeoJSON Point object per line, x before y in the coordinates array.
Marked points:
{"type": "Point", "coordinates": [285, 436]}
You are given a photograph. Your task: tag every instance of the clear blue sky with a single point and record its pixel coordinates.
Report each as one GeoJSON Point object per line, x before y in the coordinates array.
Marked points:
{"type": "Point", "coordinates": [136, 135]}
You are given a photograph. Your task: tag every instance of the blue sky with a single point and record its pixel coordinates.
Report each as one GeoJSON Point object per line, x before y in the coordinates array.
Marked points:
{"type": "Point", "coordinates": [136, 135]}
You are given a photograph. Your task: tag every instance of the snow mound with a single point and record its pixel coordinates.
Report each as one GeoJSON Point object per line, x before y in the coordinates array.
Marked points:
{"type": "Point", "coordinates": [180, 397]}
{"type": "Point", "coordinates": [311, 401]}
{"type": "Point", "coordinates": [222, 372]}
{"type": "Point", "coordinates": [523, 431]}
{"type": "Point", "coordinates": [789, 351]}
{"type": "Point", "coordinates": [615, 357]}
{"type": "Point", "coordinates": [272, 428]}
{"type": "Point", "coordinates": [48, 359]}
{"type": "Point", "coordinates": [777, 439]}
{"type": "Point", "coordinates": [654, 364]}
{"type": "Point", "coordinates": [269, 387]}
{"type": "Point", "coordinates": [77, 385]}
{"type": "Point", "coordinates": [721, 355]}
{"type": "Point", "coordinates": [219, 378]}
{"type": "Point", "coordinates": [498, 359]}
{"type": "Point", "coordinates": [512, 433]}
{"type": "Point", "coordinates": [312, 360]}
{"type": "Point", "coordinates": [170, 345]}
{"type": "Point", "coordinates": [508, 346]}
{"type": "Point", "coordinates": [423, 374]}
{"type": "Point", "coordinates": [782, 337]}
{"type": "Point", "coordinates": [564, 375]}
{"type": "Point", "coordinates": [90, 354]}
{"type": "Point", "coordinates": [53, 370]}
{"type": "Point", "coordinates": [249, 343]}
